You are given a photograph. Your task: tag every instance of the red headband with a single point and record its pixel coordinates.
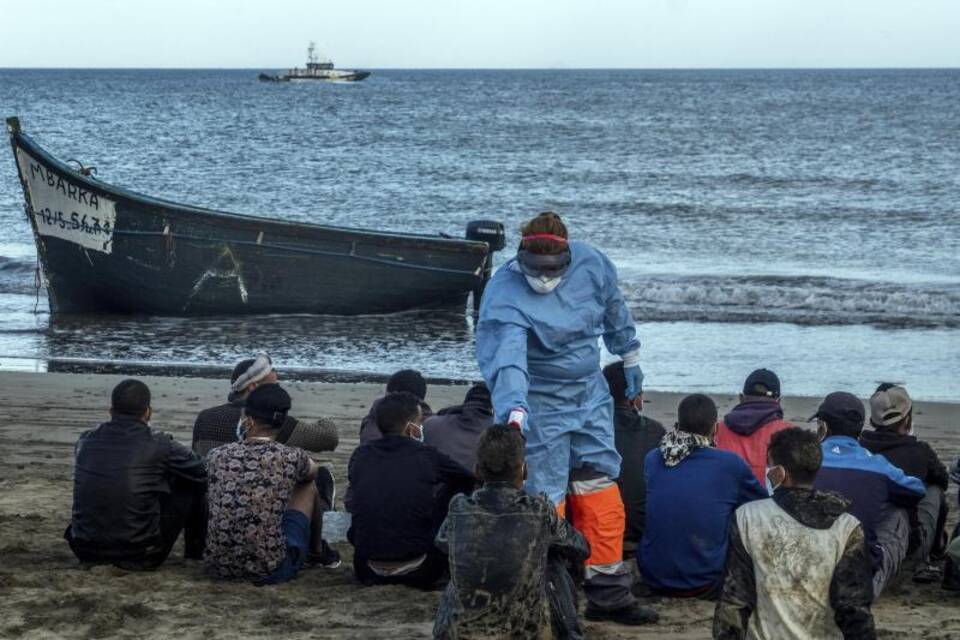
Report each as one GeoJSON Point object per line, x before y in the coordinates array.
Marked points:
{"type": "Point", "coordinates": [544, 236]}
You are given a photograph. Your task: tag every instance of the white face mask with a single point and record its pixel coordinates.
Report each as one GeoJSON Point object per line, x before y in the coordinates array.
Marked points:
{"type": "Point", "coordinates": [417, 431]}
{"type": "Point", "coordinates": [543, 285]}
{"type": "Point", "coordinates": [770, 486]}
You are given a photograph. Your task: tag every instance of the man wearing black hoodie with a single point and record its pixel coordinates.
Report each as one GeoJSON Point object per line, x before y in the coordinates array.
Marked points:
{"type": "Point", "coordinates": [891, 416]}
{"type": "Point", "coordinates": [455, 431]}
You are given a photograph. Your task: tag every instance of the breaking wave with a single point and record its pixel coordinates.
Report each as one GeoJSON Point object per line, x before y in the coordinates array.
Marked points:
{"type": "Point", "coordinates": [17, 275]}
{"type": "Point", "coordinates": [794, 299]}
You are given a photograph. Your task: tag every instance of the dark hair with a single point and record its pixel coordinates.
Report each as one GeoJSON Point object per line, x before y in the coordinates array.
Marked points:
{"type": "Point", "coordinates": [837, 427]}
{"type": "Point", "coordinates": [395, 410]}
{"type": "Point", "coordinates": [130, 398]}
{"type": "Point", "coordinates": [616, 380]}
{"type": "Point", "coordinates": [546, 223]}
{"type": "Point", "coordinates": [798, 451]}
{"type": "Point", "coordinates": [885, 386]}
{"type": "Point", "coordinates": [479, 392]}
{"type": "Point", "coordinates": [409, 380]}
{"type": "Point", "coordinates": [500, 453]}
{"type": "Point", "coordinates": [241, 369]}
{"type": "Point", "coordinates": [697, 414]}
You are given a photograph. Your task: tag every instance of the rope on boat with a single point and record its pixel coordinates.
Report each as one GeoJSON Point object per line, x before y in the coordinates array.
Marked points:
{"type": "Point", "coordinates": [82, 170]}
{"type": "Point", "coordinates": [36, 286]}
{"type": "Point", "coordinates": [281, 247]}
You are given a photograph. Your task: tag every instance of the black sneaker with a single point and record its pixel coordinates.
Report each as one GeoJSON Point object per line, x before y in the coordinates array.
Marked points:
{"type": "Point", "coordinates": [329, 558]}
{"type": "Point", "coordinates": [631, 615]}
{"type": "Point", "coordinates": [927, 574]}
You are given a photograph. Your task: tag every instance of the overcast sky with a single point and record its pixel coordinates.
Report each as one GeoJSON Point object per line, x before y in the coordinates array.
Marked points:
{"type": "Point", "coordinates": [482, 34]}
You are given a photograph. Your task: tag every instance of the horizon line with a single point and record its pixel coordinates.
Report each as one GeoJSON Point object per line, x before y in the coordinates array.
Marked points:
{"type": "Point", "coordinates": [553, 68]}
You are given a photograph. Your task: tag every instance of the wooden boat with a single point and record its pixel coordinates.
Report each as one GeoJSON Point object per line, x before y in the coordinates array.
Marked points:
{"type": "Point", "coordinates": [107, 249]}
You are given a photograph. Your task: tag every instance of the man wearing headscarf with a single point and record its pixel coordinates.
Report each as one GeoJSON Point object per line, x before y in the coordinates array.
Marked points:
{"type": "Point", "coordinates": [220, 425]}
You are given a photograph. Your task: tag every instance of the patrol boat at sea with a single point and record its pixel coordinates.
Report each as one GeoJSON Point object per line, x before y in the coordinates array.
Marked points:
{"type": "Point", "coordinates": [317, 69]}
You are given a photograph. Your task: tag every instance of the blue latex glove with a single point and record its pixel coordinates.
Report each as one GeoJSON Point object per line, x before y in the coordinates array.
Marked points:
{"type": "Point", "coordinates": [634, 378]}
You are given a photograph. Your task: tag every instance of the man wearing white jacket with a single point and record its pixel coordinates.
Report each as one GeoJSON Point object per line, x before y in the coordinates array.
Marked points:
{"type": "Point", "coordinates": [797, 565]}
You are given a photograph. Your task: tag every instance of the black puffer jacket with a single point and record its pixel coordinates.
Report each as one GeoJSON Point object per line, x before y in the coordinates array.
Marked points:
{"type": "Point", "coordinates": [914, 457]}
{"type": "Point", "coordinates": [122, 468]}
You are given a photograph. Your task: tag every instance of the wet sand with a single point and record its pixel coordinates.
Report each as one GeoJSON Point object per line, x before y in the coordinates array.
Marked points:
{"type": "Point", "coordinates": [46, 594]}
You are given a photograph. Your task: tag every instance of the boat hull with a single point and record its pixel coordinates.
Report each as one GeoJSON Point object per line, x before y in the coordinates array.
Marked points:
{"type": "Point", "coordinates": [106, 249]}
{"type": "Point", "coordinates": [356, 76]}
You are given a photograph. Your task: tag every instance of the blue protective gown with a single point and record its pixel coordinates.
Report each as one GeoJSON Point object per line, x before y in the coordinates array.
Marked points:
{"type": "Point", "coordinates": [541, 352]}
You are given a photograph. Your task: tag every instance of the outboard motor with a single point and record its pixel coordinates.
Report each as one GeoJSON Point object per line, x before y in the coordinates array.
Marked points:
{"type": "Point", "coordinates": [491, 232]}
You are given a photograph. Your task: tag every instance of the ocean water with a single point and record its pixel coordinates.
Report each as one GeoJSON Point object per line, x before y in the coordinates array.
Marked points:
{"type": "Point", "coordinates": [807, 221]}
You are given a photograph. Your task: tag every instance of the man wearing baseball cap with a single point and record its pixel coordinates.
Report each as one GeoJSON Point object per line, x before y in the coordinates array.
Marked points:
{"type": "Point", "coordinates": [261, 498]}
{"type": "Point", "coordinates": [893, 436]}
{"type": "Point", "coordinates": [880, 494]}
{"type": "Point", "coordinates": [748, 428]}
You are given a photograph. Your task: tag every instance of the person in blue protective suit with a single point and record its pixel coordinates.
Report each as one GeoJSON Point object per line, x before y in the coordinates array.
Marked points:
{"type": "Point", "coordinates": [541, 319]}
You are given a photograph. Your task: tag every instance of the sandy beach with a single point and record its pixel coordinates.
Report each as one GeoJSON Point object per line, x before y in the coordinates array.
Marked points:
{"type": "Point", "coordinates": [46, 593]}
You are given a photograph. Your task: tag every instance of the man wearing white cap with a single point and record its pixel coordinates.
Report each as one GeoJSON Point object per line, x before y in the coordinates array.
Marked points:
{"type": "Point", "coordinates": [894, 437]}
{"type": "Point", "coordinates": [220, 425]}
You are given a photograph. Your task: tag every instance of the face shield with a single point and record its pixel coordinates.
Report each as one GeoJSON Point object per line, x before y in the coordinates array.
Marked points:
{"type": "Point", "coordinates": [543, 266]}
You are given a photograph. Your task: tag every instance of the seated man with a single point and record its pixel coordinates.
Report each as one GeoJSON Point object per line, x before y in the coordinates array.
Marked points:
{"type": "Point", "coordinates": [219, 425]}
{"type": "Point", "coordinates": [635, 435]}
{"type": "Point", "coordinates": [456, 430]}
{"type": "Point", "coordinates": [798, 565]}
{"type": "Point", "coordinates": [261, 498]}
{"type": "Point", "coordinates": [747, 429]}
{"type": "Point", "coordinates": [399, 492]}
{"type": "Point", "coordinates": [891, 416]}
{"type": "Point", "coordinates": [499, 540]}
{"type": "Point", "coordinates": [408, 380]}
{"type": "Point", "coordinates": [880, 494]}
{"type": "Point", "coordinates": [135, 489]}
{"type": "Point", "coordinates": [692, 492]}
{"type": "Point", "coordinates": [951, 569]}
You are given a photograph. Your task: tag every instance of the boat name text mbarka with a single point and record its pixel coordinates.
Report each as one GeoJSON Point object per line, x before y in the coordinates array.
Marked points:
{"type": "Point", "coordinates": [68, 189]}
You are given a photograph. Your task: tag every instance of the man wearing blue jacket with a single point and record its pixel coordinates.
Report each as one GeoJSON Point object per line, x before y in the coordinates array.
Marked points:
{"type": "Point", "coordinates": [693, 490]}
{"type": "Point", "coordinates": [880, 494]}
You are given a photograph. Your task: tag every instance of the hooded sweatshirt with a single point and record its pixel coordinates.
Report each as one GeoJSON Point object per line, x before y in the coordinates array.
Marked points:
{"type": "Point", "coordinates": [456, 430]}
{"type": "Point", "coordinates": [914, 457]}
{"type": "Point", "coordinates": [747, 430]}
{"type": "Point", "coordinates": [798, 568]}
